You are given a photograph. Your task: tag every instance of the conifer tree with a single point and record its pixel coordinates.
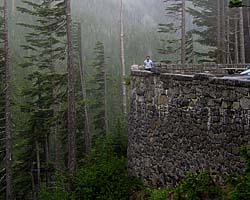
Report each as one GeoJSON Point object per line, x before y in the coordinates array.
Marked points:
{"type": "Point", "coordinates": [82, 105]}
{"type": "Point", "coordinates": [7, 111]}
{"type": "Point", "coordinates": [45, 49]}
{"type": "Point", "coordinates": [97, 91]}
{"type": "Point", "coordinates": [208, 18]}
{"type": "Point", "coordinates": [2, 106]}
{"type": "Point", "coordinates": [172, 43]}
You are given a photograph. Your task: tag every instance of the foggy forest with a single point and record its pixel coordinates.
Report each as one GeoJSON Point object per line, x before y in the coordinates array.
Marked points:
{"type": "Point", "coordinates": [65, 91]}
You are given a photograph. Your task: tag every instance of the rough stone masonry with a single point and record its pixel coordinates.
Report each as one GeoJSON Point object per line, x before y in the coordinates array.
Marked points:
{"type": "Point", "coordinates": [186, 123]}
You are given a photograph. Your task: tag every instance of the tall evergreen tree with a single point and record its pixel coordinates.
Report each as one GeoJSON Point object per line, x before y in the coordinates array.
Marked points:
{"type": "Point", "coordinates": [2, 106]}
{"type": "Point", "coordinates": [97, 91]}
{"type": "Point", "coordinates": [173, 43]}
{"type": "Point", "coordinates": [83, 126]}
{"type": "Point", "coordinates": [209, 17]}
{"type": "Point", "coordinates": [71, 92]}
{"type": "Point", "coordinates": [8, 123]}
{"type": "Point", "coordinates": [44, 48]}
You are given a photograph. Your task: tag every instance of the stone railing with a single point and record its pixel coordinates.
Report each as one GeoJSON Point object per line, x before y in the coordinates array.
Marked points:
{"type": "Point", "coordinates": [218, 69]}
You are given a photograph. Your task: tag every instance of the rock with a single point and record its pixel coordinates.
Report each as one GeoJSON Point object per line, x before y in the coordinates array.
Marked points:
{"type": "Point", "coordinates": [245, 103]}
{"type": "Point", "coordinates": [236, 105]}
{"type": "Point", "coordinates": [134, 67]}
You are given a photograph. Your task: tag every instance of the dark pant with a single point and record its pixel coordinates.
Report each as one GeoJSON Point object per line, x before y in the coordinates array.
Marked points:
{"type": "Point", "coordinates": [148, 69]}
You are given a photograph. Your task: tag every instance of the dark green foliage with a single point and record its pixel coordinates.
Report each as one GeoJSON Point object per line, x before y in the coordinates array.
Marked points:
{"type": "Point", "coordinates": [205, 18]}
{"type": "Point", "coordinates": [198, 187]}
{"type": "Point", "coordinates": [170, 42]}
{"type": "Point", "coordinates": [235, 3]}
{"type": "Point", "coordinates": [2, 107]}
{"type": "Point", "coordinates": [59, 189]}
{"type": "Point", "coordinates": [120, 138]}
{"type": "Point", "coordinates": [241, 184]}
{"type": "Point", "coordinates": [105, 179]}
{"type": "Point", "coordinates": [245, 153]}
{"type": "Point", "coordinates": [158, 194]}
{"type": "Point", "coordinates": [45, 91]}
{"type": "Point", "coordinates": [101, 176]}
{"type": "Point", "coordinates": [241, 190]}
{"type": "Point", "coordinates": [96, 91]}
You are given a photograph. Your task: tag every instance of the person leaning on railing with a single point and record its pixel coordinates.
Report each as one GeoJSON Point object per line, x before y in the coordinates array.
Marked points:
{"type": "Point", "coordinates": [148, 64]}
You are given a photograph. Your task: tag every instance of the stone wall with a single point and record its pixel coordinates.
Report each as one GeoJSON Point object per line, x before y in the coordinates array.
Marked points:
{"type": "Point", "coordinates": [181, 123]}
{"type": "Point", "coordinates": [218, 69]}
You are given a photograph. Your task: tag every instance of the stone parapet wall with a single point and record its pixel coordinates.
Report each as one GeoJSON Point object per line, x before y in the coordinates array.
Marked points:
{"type": "Point", "coordinates": [180, 123]}
{"type": "Point", "coordinates": [218, 69]}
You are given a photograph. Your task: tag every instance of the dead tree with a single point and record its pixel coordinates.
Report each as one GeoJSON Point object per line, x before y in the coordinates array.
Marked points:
{"type": "Point", "coordinates": [122, 52]}
{"type": "Point", "coordinates": [71, 93]}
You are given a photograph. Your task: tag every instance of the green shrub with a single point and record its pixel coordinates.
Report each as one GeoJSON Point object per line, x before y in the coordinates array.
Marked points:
{"type": "Point", "coordinates": [106, 179]}
{"type": "Point", "coordinates": [158, 194]}
{"type": "Point", "coordinates": [58, 190]}
{"type": "Point", "coordinates": [241, 184]}
{"type": "Point", "coordinates": [198, 187]}
{"type": "Point", "coordinates": [242, 189]}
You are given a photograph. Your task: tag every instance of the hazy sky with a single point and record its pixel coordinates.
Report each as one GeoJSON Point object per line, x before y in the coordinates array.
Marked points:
{"type": "Point", "coordinates": [147, 11]}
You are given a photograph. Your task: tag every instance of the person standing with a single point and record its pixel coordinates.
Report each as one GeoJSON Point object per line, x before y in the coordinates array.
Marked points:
{"type": "Point", "coordinates": [148, 64]}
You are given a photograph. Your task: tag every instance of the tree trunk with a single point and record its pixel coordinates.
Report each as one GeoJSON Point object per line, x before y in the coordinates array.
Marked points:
{"type": "Point", "coordinates": [84, 93]}
{"type": "Point", "coordinates": [122, 52]}
{"type": "Point", "coordinates": [58, 149]}
{"type": "Point", "coordinates": [248, 21]}
{"type": "Point", "coordinates": [183, 33]}
{"type": "Point", "coordinates": [38, 165]}
{"type": "Point", "coordinates": [8, 160]}
{"type": "Point", "coordinates": [13, 10]}
{"type": "Point", "coordinates": [55, 130]}
{"type": "Point", "coordinates": [223, 32]}
{"type": "Point", "coordinates": [242, 40]}
{"type": "Point", "coordinates": [33, 183]}
{"type": "Point", "coordinates": [236, 49]}
{"type": "Point", "coordinates": [218, 31]}
{"type": "Point", "coordinates": [47, 157]}
{"type": "Point", "coordinates": [105, 99]}
{"type": "Point", "coordinates": [71, 93]}
{"type": "Point", "coordinates": [228, 39]}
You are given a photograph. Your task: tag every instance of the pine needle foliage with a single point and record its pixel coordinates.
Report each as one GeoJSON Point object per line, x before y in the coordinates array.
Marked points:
{"type": "Point", "coordinates": [2, 106]}
{"type": "Point", "coordinates": [96, 90]}
{"type": "Point", "coordinates": [46, 90]}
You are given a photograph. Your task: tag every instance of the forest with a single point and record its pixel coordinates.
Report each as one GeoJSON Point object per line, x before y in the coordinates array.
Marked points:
{"type": "Point", "coordinates": [65, 91]}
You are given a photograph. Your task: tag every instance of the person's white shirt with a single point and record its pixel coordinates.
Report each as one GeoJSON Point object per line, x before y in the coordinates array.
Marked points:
{"type": "Point", "coordinates": [148, 64]}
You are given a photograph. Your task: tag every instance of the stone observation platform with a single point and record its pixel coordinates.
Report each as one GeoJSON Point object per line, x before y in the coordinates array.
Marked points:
{"type": "Point", "coordinates": [187, 119]}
